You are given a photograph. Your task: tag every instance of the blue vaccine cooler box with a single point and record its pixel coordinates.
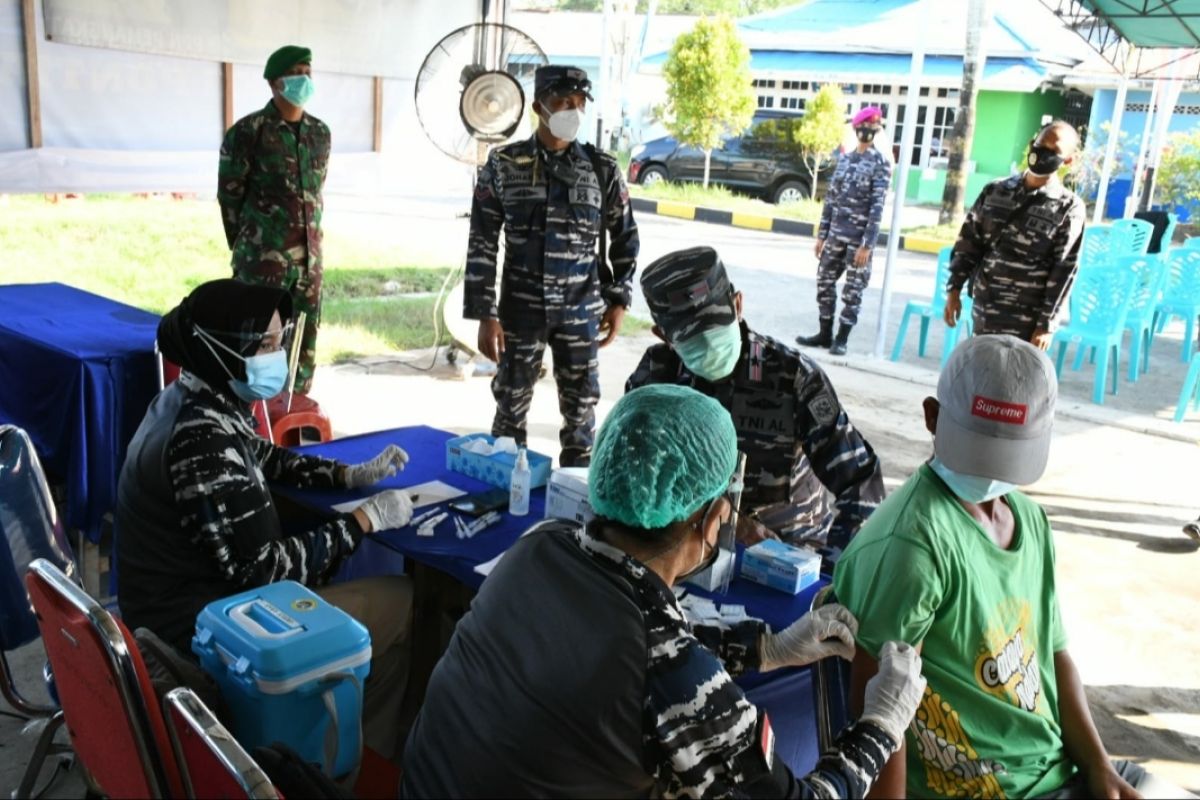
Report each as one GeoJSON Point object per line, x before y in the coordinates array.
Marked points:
{"type": "Point", "coordinates": [291, 669]}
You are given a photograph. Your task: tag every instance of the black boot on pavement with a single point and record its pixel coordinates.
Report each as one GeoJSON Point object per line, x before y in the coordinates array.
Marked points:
{"type": "Point", "coordinates": [822, 339]}
{"type": "Point", "coordinates": [839, 344]}
{"type": "Point", "coordinates": [1192, 529]}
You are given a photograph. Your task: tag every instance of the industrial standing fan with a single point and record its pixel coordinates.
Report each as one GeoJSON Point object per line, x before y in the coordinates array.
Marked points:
{"type": "Point", "coordinates": [471, 96]}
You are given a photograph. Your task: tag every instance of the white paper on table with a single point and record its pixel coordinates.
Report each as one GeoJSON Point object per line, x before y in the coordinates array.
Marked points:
{"type": "Point", "coordinates": [423, 494]}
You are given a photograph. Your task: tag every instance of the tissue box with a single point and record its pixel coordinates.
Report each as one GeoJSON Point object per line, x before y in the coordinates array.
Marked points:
{"type": "Point", "coordinates": [781, 566]}
{"type": "Point", "coordinates": [567, 495]}
{"type": "Point", "coordinates": [496, 468]}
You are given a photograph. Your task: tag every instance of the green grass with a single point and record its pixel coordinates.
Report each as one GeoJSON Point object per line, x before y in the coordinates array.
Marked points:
{"type": "Point", "coordinates": [722, 198]}
{"type": "Point", "coordinates": [944, 232]}
{"type": "Point", "coordinates": [151, 251]}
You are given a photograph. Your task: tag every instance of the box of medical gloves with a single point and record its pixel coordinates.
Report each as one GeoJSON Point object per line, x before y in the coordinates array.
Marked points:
{"type": "Point", "coordinates": [781, 566]}
{"type": "Point", "coordinates": [479, 456]}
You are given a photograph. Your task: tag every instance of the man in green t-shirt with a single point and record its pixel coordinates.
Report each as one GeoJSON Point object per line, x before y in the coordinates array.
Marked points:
{"type": "Point", "coordinates": [960, 564]}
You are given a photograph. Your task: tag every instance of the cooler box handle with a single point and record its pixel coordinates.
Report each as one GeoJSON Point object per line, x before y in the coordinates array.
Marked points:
{"type": "Point", "coordinates": [264, 620]}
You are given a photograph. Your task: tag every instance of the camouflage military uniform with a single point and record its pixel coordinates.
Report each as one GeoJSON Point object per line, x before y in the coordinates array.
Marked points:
{"type": "Point", "coordinates": [850, 220]}
{"type": "Point", "coordinates": [269, 188]}
{"type": "Point", "coordinates": [1020, 249]}
{"type": "Point", "coordinates": [795, 434]}
{"type": "Point", "coordinates": [552, 290]}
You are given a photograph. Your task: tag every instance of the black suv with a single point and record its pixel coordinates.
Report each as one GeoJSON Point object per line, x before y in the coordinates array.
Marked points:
{"type": "Point", "coordinates": [754, 162]}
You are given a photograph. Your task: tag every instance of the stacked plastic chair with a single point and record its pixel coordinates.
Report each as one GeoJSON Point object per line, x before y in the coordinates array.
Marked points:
{"type": "Point", "coordinates": [1181, 294]}
{"type": "Point", "coordinates": [1134, 235]}
{"type": "Point", "coordinates": [933, 310]}
{"type": "Point", "coordinates": [1096, 247]}
{"type": "Point", "coordinates": [1149, 275]}
{"type": "Point", "coordinates": [1099, 308]}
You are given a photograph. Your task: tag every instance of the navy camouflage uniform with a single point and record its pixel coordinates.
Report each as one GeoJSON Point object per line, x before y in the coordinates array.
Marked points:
{"type": "Point", "coordinates": [797, 438]}
{"type": "Point", "coordinates": [552, 291]}
{"type": "Point", "coordinates": [850, 219]}
{"type": "Point", "coordinates": [1019, 249]}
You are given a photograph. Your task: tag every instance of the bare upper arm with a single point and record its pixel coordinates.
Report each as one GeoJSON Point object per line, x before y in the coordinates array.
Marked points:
{"type": "Point", "coordinates": [891, 781]}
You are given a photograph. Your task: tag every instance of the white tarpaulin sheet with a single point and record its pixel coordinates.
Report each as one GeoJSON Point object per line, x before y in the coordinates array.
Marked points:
{"type": "Point", "coordinates": [360, 37]}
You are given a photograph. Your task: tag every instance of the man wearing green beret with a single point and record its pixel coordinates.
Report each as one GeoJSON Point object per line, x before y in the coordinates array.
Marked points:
{"type": "Point", "coordinates": [272, 170]}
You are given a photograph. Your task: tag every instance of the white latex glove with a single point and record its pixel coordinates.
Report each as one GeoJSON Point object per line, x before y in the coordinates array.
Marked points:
{"type": "Point", "coordinates": [828, 631]}
{"type": "Point", "coordinates": [369, 473]}
{"type": "Point", "coordinates": [893, 695]}
{"type": "Point", "coordinates": [387, 510]}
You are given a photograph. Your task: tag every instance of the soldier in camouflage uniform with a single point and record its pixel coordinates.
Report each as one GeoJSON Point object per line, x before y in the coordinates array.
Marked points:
{"type": "Point", "coordinates": [797, 438]}
{"type": "Point", "coordinates": [272, 171]}
{"type": "Point", "coordinates": [1019, 245]}
{"type": "Point", "coordinates": [547, 193]}
{"type": "Point", "coordinates": [849, 226]}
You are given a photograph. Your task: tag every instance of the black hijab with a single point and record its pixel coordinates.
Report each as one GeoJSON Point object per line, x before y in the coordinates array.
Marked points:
{"type": "Point", "coordinates": [235, 313]}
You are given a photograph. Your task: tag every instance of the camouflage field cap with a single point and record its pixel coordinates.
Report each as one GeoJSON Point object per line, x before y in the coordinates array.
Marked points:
{"type": "Point", "coordinates": [688, 293]}
{"type": "Point", "coordinates": [561, 80]}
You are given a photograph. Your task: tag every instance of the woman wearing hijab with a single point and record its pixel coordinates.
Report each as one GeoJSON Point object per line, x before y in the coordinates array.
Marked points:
{"type": "Point", "coordinates": [195, 520]}
{"type": "Point", "coordinates": [575, 673]}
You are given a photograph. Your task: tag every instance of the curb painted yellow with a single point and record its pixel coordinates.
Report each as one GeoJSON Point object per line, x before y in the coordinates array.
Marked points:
{"type": "Point", "coordinates": [924, 245]}
{"type": "Point", "coordinates": [754, 221]}
{"type": "Point", "coordinates": [682, 210]}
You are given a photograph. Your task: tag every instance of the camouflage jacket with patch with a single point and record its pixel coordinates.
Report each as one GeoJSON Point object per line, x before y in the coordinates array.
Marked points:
{"type": "Point", "coordinates": [548, 206]}
{"type": "Point", "coordinates": [1021, 247]}
{"type": "Point", "coordinates": [796, 436]}
{"type": "Point", "coordinates": [269, 188]}
{"type": "Point", "coordinates": [854, 201]}
{"type": "Point", "coordinates": [701, 736]}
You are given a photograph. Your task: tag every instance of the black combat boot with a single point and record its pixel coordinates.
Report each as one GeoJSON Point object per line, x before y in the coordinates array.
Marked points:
{"type": "Point", "coordinates": [839, 344]}
{"type": "Point", "coordinates": [822, 339]}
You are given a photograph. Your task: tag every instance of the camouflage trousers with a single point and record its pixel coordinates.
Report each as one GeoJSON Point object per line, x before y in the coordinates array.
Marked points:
{"type": "Point", "coordinates": [576, 373]}
{"type": "Point", "coordinates": [290, 270]}
{"type": "Point", "coordinates": [992, 318]}
{"type": "Point", "coordinates": [838, 258]}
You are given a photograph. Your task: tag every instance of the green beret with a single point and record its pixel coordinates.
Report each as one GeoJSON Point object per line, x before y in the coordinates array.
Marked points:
{"type": "Point", "coordinates": [284, 59]}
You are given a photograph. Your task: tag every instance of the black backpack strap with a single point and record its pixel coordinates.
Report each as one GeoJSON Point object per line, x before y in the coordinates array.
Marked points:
{"type": "Point", "coordinates": [606, 276]}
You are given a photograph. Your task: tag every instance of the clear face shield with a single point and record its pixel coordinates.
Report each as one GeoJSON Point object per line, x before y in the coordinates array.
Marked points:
{"type": "Point", "coordinates": [717, 576]}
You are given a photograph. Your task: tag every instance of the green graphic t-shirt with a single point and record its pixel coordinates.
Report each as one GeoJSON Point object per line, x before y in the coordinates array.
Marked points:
{"type": "Point", "coordinates": [922, 570]}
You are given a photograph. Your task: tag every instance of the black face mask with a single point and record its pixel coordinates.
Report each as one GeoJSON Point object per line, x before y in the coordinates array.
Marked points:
{"type": "Point", "coordinates": [1043, 160]}
{"type": "Point", "coordinates": [865, 135]}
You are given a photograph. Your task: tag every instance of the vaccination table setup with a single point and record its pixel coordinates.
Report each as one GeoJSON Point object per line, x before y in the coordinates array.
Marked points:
{"type": "Point", "coordinates": [86, 370]}
{"type": "Point", "coordinates": [787, 695]}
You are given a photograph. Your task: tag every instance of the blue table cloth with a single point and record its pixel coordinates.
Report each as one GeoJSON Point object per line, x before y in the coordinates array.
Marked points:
{"type": "Point", "coordinates": [786, 695]}
{"type": "Point", "coordinates": [77, 372]}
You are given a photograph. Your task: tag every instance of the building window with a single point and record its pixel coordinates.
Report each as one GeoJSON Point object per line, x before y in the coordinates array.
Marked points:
{"type": "Point", "coordinates": [924, 91]}
{"type": "Point", "coordinates": [766, 101]}
{"type": "Point", "coordinates": [943, 126]}
{"type": "Point", "coordinates": [792, 102]}
{"type": "Point", "coordinates": [762, 83]}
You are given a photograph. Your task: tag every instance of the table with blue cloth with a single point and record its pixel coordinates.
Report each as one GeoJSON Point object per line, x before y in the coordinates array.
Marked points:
{"type": "Point", "coordinates": [77, 372]}
{"type": "Point", "coordinates": [787, 695]}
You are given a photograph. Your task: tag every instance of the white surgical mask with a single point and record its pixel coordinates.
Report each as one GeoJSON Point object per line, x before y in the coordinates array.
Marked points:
{"type": "Point", "coordinates": [565, 124]}
{"type": "Point", "coordinates": [972, 488]}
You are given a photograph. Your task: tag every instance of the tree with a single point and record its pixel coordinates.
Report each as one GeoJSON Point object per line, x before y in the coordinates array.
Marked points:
{"type": "Point", "coordinates": [709, 90]}
{"type": "Point", "coordinates": [959, 141]}
{"type": "Point", "coordinates": [820, 131]}
{"type": "Point", "coordinates": [1178, 178]}
{"type": "Point", "coordinates": [1084, 178]}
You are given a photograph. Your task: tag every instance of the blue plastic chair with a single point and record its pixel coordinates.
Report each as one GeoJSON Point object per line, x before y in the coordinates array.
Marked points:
{"type": "Point", "coordinates": [1190, 391]}
{"type": "Point", "coordinates": [934, 310]}
{"type": "Point", "coordinates": [1192, 242]}
{"type": "Point", "coordinates": [1134, 235]}
{"type": "Point", "coordinates": [1181, 295]}
{"type": "Point", "coordinates": [31, 531]}
{"type": "Point", "coordinates": [1149, 275]}
{"type": "Point", "coordinates": [1099, 307]}
{"type": "Point", "coordinates": [1096, 247]}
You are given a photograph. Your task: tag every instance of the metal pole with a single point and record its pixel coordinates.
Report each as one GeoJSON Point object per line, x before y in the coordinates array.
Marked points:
{"type": "Point", "coordinates": [1162, 125]}
{"type": "Point", "coordinates": [906, 146]}
{"type": "Point", "coordinates": [1135, 190]}
{"type": "Point", "coordinates": [1110, 150]}
{"type": "Point", "coordinates": [602, 85]}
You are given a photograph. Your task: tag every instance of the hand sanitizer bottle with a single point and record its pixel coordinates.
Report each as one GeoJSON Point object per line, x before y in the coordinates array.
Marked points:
{"type": "Point", "coordinates": [518, 498]}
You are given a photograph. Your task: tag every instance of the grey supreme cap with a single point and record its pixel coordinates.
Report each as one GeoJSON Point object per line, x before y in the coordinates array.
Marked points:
{"type": "Point", "coordinates": [997, 396]}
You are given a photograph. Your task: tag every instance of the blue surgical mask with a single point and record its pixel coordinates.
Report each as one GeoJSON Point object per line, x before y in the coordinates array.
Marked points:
{"type": "Point", "coordinates": [972, 488]}
{"type": "Point", "coordinates": [712, 354]}
{"type": "Point", "coordinates": [266, 374]}
{"type": "Point", "coordinates": [297, 89]}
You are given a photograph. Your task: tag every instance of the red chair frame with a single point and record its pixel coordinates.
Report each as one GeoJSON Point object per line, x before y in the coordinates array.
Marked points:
{"type": "Point", "coordinates": [211, 762]}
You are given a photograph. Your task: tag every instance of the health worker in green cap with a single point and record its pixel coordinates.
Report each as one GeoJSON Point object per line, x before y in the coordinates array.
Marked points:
{"type": "Point", "coordinates": [576, 673]}
{"type": "Point", "coordinates": [272, 171]}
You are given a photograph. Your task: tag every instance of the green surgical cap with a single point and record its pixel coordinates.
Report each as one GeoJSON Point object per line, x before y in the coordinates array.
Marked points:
{"type": "Point", "coordinates": [663, 452]}
{"type": "Point", "coordinates": [284, 59]}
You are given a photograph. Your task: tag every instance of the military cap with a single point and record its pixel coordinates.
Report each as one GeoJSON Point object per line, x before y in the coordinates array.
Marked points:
{"type": "Point", "coordinates": [284, 59]}
{"type": "Point", "coordinates": [688, 293]}
{"type": "Point", "coordinates": [561, 80]}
